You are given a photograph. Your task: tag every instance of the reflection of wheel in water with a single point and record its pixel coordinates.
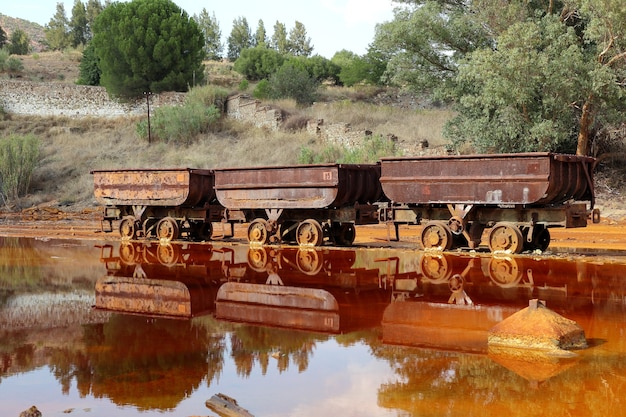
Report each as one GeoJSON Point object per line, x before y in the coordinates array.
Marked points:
{"type": "Point", "coordinates": [127, 253]}
{"type": "Point", "coordinates": [309, 261]}
{"type": "Point", "coordinates": [309, 233]}
{"type": "Point", "coordinates": [257, 232]}
{"type": "Point", "coordinates": [455, 283]}
{"type": "Point", "coordinates": [436, 235]}
{"type": "Point", "coordinates": [504, 271]}
{"type": "Point", "coordinates": [506, 237]}
{"type": "Point", "coordinates": [167, 229]}
{"type": "Point", "coordinates": [128, 227]}
{"type": "Point", "coordinates": [257, 259]}
{"type": "Point", "coordinates": [167, 254]}
{"type": "Point", "coordinates": [435, 268]}
{"type": "Point", "coordinates": [343, 233]}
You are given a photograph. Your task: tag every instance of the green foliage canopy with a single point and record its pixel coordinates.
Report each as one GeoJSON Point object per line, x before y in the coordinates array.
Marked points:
{"type": "Point", "coordinates": [210, 27]}
{"type": "Point", "coordinates": [532, 75]}
{"type": "Point", "coordinates": [20, 43]}
{"type": "Point", "coordinates": [147, 45]}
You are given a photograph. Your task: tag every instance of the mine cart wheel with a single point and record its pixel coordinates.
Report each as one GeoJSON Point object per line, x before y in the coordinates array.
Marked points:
{"type": "Point", "coordinates": [167, 229]}
{"type": "Point", "coordinates": [257, 259]}
{"type": "Point", "coordinates": [541, 238]}
{"type": "Point", "coordinates": [344, 234]}
{"type": "Point", "coordinates": [309, 233]}
{"type": "Point", "coordinates": [506, 237]}
{"type": "Point", "coordinates": [309, 261]}
{"type": "Point", "coordinates": [435, 268]}
{"type": "Point", "coordinates": [168, 254]}
{"type": "Point", "coordinates": [128, 227]}
{"type": "Point", "coordinates": [257, 232]}
{"type": "Point", "coordinates": [436, 235]}
{"type": "Point", "coordinates": [504, 271]}
{"type": "Point", "coordinates": [128, 253]}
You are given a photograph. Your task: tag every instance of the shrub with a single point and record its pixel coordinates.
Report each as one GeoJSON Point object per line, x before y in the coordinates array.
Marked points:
{"type": "Point", "coordinates": [292, 82]}
{"type": "Point", "coordinates": [18, 157]}
{"type": "Point", "coordinates": [180, 124]}
{"type": "Point", "coordinates": [262, 90]}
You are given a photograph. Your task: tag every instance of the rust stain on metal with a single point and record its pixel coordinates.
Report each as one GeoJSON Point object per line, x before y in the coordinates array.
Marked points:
{"type": "Point", "coordinates": [298, 187]}
{"type": "Point", "coordinates": [528, 179]}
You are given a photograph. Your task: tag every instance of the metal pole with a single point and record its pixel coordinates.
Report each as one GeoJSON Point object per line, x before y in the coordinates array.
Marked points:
{"type": "Point", "coordinates": [148, 94]}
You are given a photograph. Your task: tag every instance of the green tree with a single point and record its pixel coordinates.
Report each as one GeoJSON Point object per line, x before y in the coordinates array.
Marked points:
{"type": "Point", "coordinates": [93, 9]}
{"type": "Point", "coordinates": [540, 74]}
{"type": "Point", "coordinates": [354, 69]}
{"type": "Point", "coordinates": [240, 38]}
{"type": "Point", "coordinates": [260, 36]}
{"type": "Point", "coordinates": [20, 43]}
{"type": "Point", "coordinates": [299, 43]}
{"type": "Point", "coordinates": [292, 82]}
{"type": "Point", "coordinates": [258, 63]}
{"type": "Point", "coordinates": [318, 67]}
{"type": "Point", "coordinates": [147, 45]}
{"type": "Point", "coordinates": [210, 27]}
{"type": "Point", "coordinates": [279, 38]}
{"type": "Point", "coordinates": [89, 69]}
{"type": "Point", "coordinates": [57, 30]}
{"type": "Point", "coordinates": [78, 25]}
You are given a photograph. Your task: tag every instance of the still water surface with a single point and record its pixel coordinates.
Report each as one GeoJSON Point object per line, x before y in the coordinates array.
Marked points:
{"type": "Point", "coordinates": [109, 329]}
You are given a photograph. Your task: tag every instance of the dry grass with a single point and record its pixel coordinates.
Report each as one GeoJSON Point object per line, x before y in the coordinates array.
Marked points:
{"type": "Point", "coordinates": [71, 148]}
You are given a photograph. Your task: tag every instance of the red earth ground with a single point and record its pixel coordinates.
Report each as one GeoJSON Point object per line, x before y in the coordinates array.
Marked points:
{"type": "Point", "coordinates": [609, 236]}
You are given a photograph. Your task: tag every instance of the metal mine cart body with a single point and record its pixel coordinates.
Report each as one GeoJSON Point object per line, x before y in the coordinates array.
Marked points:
{"type": "Point", "coordinates": [302, 203]}
{"type": "Point", "coordinates": [517, 196]}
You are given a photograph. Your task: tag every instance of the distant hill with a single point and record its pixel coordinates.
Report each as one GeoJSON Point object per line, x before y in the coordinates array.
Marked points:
{"type": "Point", "coordinates": [34, 30]}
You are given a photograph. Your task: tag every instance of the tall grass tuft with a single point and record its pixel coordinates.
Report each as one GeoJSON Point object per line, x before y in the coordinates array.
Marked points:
{"type": "Point", "coordinates": [371, 150]}
{"type": "Point", "coordinates": [18, 157]}
{"type": "Point", "coordinates": [182, 124]}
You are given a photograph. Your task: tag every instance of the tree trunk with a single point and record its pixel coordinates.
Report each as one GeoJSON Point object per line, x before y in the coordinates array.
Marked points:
{"type": "Point", "coordinates": [586, 120]}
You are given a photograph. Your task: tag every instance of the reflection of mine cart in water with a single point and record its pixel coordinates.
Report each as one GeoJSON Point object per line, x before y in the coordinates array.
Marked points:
{"type": "Point", "coordinates": [161, 203]}
{"type": "Point", "coordinates": [304, 203]}
{"type": "Point", "coordinates": [518, 196]}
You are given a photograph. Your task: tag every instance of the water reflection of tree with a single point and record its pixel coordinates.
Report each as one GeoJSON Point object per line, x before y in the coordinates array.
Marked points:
{"type": "Point", "coordinates": [253, 344]}
{"type": "Point", "coordinates": [19, 266]}
{"type": "Point", "coordinates": [431, 382]}
{"type": "Point", "coordinates": [152, 364]}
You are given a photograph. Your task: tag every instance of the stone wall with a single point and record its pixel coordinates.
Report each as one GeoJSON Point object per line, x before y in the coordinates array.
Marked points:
{"type": "Point", "coordinates": [62, 99]}
{"type": "Point", "coordinates": [245, 108]}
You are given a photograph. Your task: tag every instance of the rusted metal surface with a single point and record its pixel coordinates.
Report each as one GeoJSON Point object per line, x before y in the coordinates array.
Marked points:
{"type": "Point", "coordinates": [145, 296]}
{"type": "Point", "coordinates": [442, 326]}
{"type": "Point", "coordinates": [184, 187]}
{"type": "Point", "coordinates": [499, 179]}
{"type": "Point", "coordinates": [298, 187]}
{"type": "Point", "coordinates": [282, 306]}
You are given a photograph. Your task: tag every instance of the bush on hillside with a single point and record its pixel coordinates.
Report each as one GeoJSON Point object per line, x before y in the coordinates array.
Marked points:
{"type": "Point", "coordinates": [295, 83]}
{"type": "Point", "coordinates": [179, 124]}
{"type": "Point", "coordinates": [18, 157]}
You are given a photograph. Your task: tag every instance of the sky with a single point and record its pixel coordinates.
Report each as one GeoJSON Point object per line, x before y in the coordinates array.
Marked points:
{"type": "Point", "coordinates": [332, 25]}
